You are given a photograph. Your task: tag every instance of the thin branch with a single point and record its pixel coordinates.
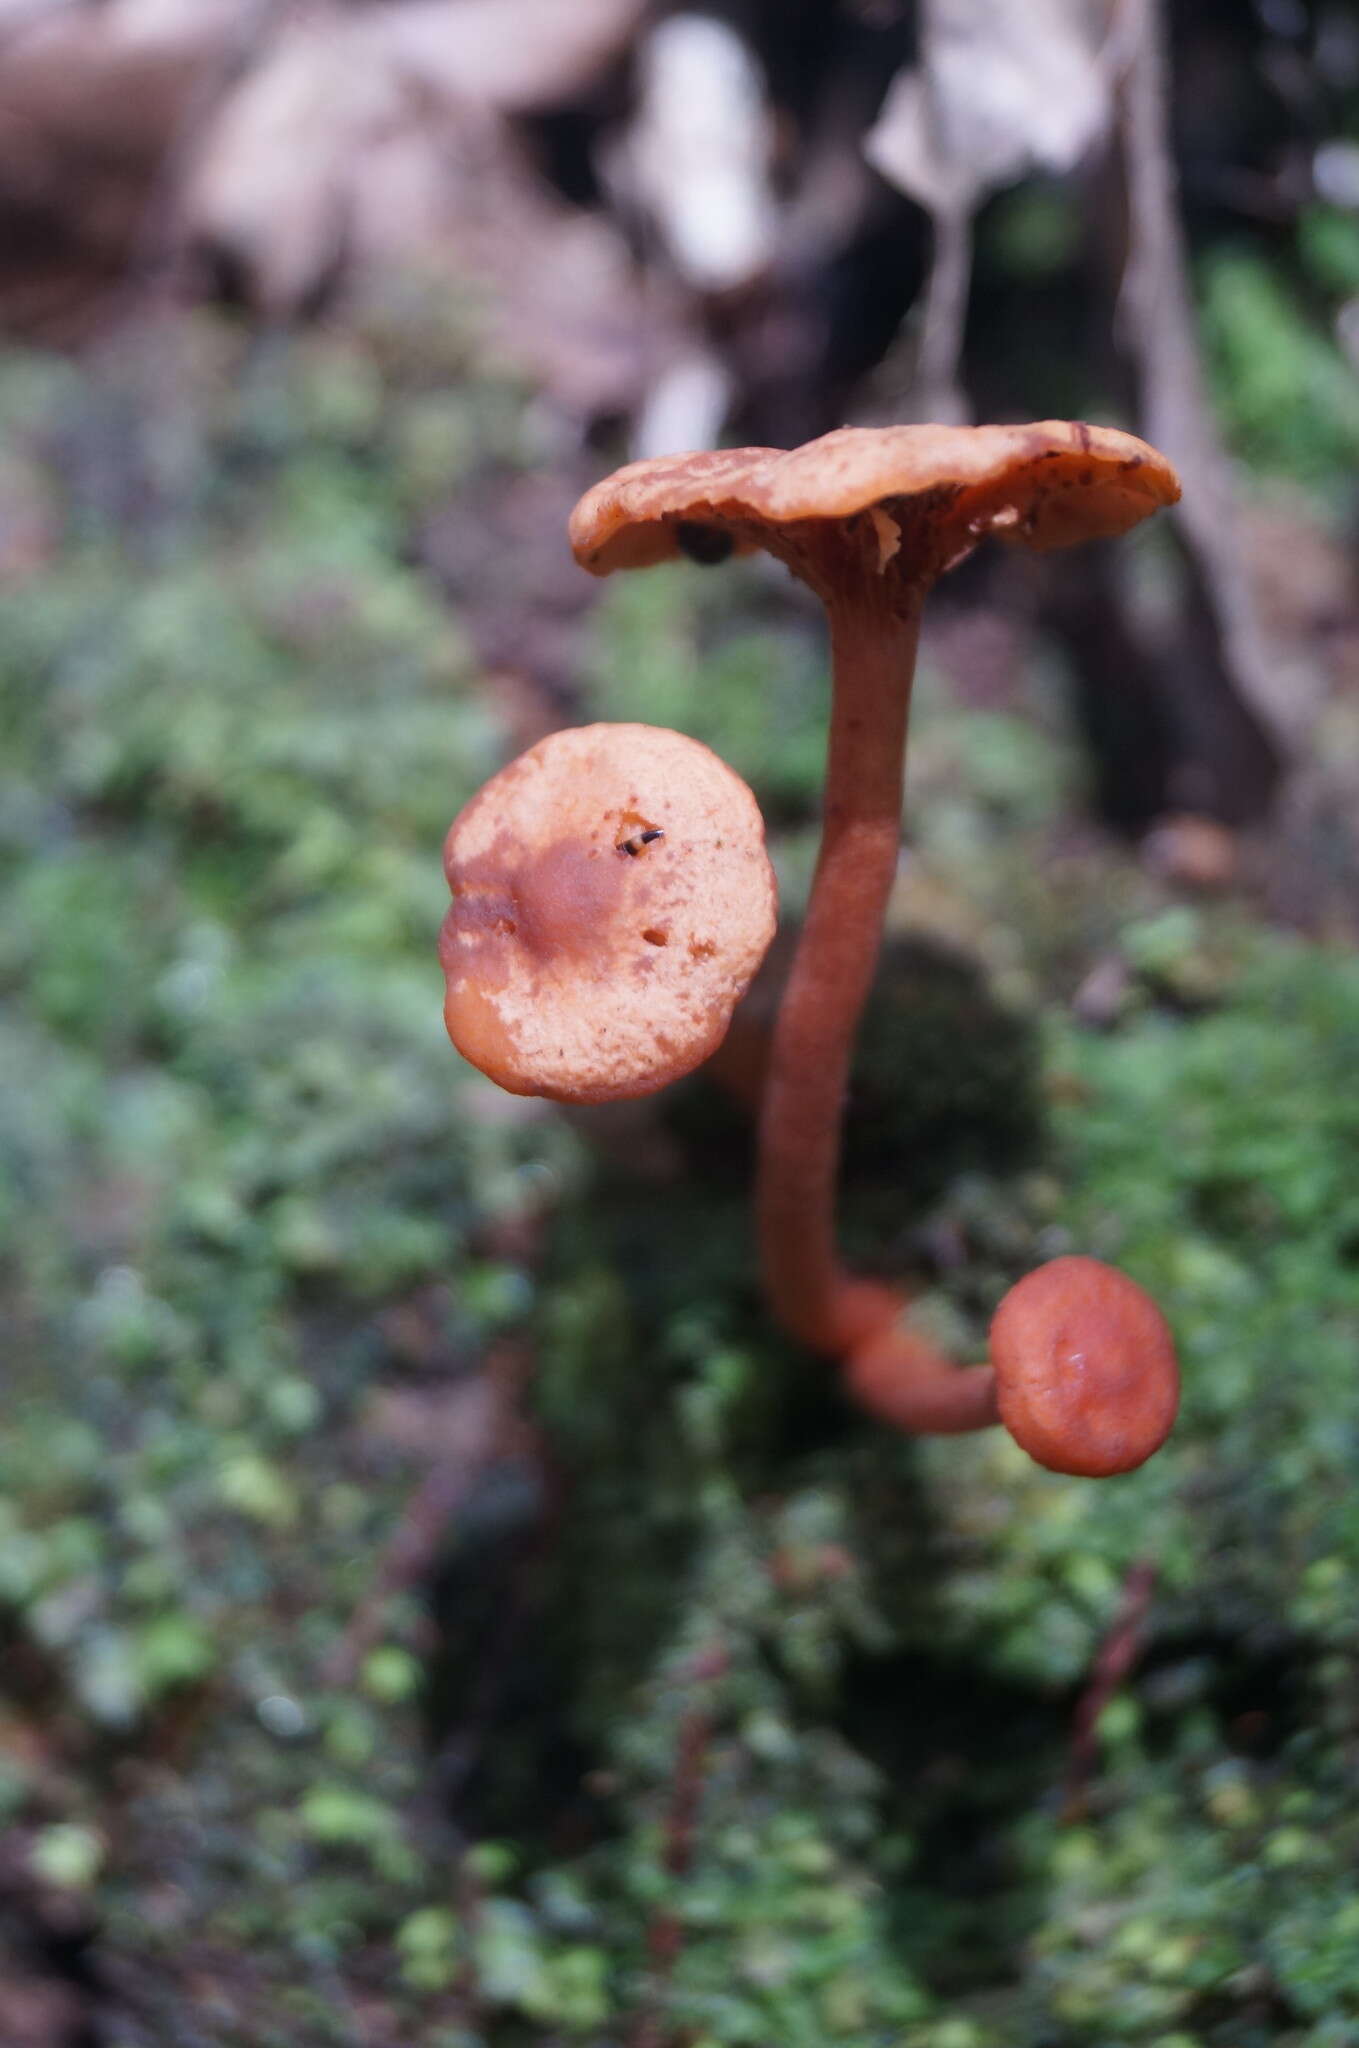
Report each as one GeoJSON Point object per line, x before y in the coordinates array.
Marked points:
{"type": "Point", "coordinates": [419, 1535]}
{"type": "Point", "coordinates": [1157, 315]}
{"type": "Point", "coordinates": [1115, 1659]}
{"type": "Point", "coordinates": [665, 1935]}
{"type": "Point", "coordinates": [938, 388]}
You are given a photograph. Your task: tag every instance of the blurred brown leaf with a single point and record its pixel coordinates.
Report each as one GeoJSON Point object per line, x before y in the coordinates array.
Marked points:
{"type": "Point", "coordinates": [1000, 90]}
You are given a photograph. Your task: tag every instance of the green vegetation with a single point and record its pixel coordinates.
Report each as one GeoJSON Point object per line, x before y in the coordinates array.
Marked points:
{"type": "Point", "coordinates": [261, 1234]}
{"type": "Point", "coordinates": [1286, 394]}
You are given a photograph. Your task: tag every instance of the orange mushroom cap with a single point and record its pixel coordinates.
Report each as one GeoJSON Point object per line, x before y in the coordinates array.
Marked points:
{"type": "Point", "coordinates": [921, 497]}
{"type": "Point", "coordinates": [612, 900]}
{"type": "Point", "coordinates": [1085, 1367]}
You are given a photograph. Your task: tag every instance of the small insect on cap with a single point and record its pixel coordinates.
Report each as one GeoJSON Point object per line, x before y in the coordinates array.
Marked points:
{"type": "Point", "coordinates": [906, 502]}
{"type": "Point", "coordinates": [612, 900]}
{"type": "Point", "coordinates": [1085, 1368]}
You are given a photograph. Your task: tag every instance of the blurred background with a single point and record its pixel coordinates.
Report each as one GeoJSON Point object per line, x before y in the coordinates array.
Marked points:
{"type": "Point", "coordinates": [436, 1608]}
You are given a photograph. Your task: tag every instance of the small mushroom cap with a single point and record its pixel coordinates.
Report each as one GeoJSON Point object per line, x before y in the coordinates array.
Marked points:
{"type": "Point", "coordinates": [936, 492]}
{"type": "Point", "coordinates": [1085, 1368]}
{"type": "Point", "coordinates": [612, 900]}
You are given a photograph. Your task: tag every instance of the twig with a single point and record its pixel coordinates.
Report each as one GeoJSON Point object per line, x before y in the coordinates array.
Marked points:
{"type": "Point", "coordinates": [665, 1935]}
{"type": "Point", "coordinates": [938, 387]}
{"type": "Point", "coordinates": [1176, 413]}
{"type": "Point", "coordinates": [415, 1542]}
{"type": "Point", "coordinates": [1113, 1662]}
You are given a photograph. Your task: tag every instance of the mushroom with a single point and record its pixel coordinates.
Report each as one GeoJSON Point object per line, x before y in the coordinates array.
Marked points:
{"type": "Point", "coordinates": [869, 519]}
{"type": "Point", "coordinates": [1086, 1377]}
{"type": "Point", "coordinates": [612, 900]}
{"type": "Point", "coordinates": [1083, 1372]}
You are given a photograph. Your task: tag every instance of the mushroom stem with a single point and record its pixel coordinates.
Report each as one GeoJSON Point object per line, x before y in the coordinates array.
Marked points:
{"type": "Point", "coordinates": [899, 1376]}
{"type": "Point", "coordinates": [873, 646]}
{"type": "Point", "coordinates": [889, 1369]}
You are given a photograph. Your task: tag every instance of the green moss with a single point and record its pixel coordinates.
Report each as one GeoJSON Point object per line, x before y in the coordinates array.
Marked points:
{"type": "Point", "coordinates": [259, 1231]}
{"type": "Point", "coordinates": [1286, 394]}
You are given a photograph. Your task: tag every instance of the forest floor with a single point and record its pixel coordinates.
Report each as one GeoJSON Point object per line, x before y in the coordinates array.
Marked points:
{"type": "Point", "coordinates": [436, 1609]}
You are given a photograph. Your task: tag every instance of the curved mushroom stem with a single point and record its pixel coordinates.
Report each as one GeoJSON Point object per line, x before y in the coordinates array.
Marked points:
{"type": "Point", "coordinates": [890, 1370]}
{"type": "Point", "coordinates": [899, 1376]}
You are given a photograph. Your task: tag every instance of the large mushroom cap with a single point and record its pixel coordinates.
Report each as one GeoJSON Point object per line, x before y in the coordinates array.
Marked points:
{"type": "Point", "coordinates": [612, 899]}
{"type": "Point", "coordinates": [922, 496]}
{"type": "Point", "coordinates": [1085, 1367]}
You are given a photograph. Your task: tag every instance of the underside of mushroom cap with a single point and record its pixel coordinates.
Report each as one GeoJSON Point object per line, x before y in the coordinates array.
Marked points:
{"type": "Point", "coordinates": [1086, 1374]}
{"type": "Point", "coordinates": [921, 497]}
{"type": "Point", "coordinates": [612, 900]}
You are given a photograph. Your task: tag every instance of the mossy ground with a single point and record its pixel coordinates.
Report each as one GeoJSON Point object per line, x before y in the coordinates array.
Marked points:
{"type": "Point", "coordinates": [266, 1246]}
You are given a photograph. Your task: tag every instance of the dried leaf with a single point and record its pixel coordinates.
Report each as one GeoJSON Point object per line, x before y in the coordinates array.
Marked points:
{"type": "Point", "coordinates": [512, 55]}
{"type": "Point", "coordinates": [1001, 90]}
{"type": "Point", "coordinates": [697, 155]}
